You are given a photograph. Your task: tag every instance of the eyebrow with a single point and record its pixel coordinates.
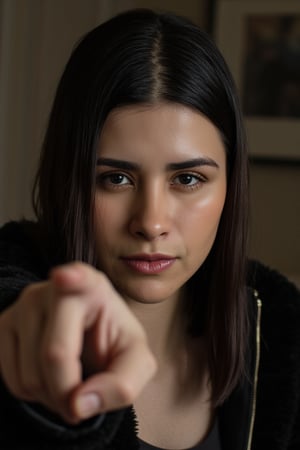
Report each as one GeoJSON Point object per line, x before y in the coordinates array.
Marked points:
{"type": "Point", "coordinates": [193, 163]}
{"type": "Point", "coordinates": [120, 164]}
{"type": "Point", "coordinates": [127, 165]}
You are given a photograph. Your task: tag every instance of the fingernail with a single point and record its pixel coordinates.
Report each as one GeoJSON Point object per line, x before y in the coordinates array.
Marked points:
{"type": "Point", "coordinates": [88, 405]}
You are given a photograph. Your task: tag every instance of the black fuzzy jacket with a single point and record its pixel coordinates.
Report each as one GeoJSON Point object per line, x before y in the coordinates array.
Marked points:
{"type": "Point", "coordinates": [263, 413]}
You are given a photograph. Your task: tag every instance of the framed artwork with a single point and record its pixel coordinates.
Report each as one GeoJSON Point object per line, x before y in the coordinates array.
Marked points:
{"type": "Point", "coordinates": [260, 40]}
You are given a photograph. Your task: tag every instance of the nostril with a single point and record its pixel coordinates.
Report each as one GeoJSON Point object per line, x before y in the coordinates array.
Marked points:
{"type": "Point", "coordinates": [140, 234]}
{"type": "Point", "coordinates": [150, 226]}
{"type": "Point", "coordinates": [150, 236]}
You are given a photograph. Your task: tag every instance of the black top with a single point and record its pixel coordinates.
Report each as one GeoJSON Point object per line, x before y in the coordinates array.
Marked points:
{"type": "Point", "coordinates": [212, 442]}
{"type": "Point", "coordinates": [272, 410]}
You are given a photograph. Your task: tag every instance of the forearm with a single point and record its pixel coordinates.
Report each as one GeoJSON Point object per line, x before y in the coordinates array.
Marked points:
{"type": "Point", "coordinates": [28, 426]}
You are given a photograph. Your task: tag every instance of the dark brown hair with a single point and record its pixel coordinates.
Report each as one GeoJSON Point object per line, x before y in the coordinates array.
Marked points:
{"type": "Point", "coordinates": [144, 57]}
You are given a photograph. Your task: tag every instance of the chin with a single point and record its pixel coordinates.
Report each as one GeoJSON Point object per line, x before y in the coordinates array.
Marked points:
{"type": "Point", "coordinates": [148, 295]}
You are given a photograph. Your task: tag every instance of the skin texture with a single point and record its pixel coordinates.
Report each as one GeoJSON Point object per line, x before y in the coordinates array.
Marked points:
{"type": "Point", "coordinates": [151, 207]}
{"type": "Point", "coordinates": [78, 322]}
{"type": "Point", "coordinates": [74, 322]}
{"type": "Point", "coordinates": [155, 209]}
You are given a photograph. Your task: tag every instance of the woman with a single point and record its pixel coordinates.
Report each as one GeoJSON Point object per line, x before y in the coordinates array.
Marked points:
{"type": "Point", "coordinates": [151, 338]}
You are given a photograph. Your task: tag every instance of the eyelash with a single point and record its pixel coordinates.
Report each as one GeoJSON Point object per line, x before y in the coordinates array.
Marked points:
{"type": "Point", "coordinates": [105, 180]}
{"type": "Point", "coordinates": [200, 179]}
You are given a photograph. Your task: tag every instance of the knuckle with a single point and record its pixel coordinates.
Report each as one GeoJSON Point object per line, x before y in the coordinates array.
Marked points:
{"type": "Point", "coordinates": [29, 290]}
{"type": "Point", "coordinates": [32, 290]}
{"type": "Point", "coordinates": [80, 267]}
{"type": "Point", "coordinates": [54, 354]}
{"type": "Point", "coordinates": [101, 281]}
{"type": "Point", "coordinates": [30, 297]}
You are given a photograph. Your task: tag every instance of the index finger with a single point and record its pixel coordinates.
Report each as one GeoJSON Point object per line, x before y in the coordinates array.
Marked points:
{"type": "Point", "coordinates": [75, 277]}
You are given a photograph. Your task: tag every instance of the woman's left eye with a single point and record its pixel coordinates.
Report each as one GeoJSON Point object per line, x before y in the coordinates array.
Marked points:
{"type": "Point", "coordinates": [188, 180]}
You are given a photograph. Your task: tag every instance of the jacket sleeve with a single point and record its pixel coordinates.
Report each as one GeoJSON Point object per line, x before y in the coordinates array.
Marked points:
{"type": "Point", "coordinates": [20, 265]}
{"type": "Point", "coordinates": [29, 426]}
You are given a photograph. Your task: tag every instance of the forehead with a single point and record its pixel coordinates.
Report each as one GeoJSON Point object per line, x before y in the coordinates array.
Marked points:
{"type": "Point", "coordinates": [168, 129]}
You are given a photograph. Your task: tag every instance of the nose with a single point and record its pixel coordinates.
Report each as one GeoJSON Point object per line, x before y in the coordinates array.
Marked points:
{"type": "Point", "coordinates": [150, 218]}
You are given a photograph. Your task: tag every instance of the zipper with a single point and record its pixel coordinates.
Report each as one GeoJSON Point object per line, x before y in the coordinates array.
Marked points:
{"type": "Point", "coordinates": [258, 322]}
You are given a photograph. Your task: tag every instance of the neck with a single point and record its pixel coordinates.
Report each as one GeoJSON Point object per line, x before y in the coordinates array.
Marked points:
{"type": "Point", "coordinates": [165, 326]}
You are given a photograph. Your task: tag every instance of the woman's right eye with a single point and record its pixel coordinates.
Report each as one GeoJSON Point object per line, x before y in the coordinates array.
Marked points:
{"type": "Point", "coordinates": [113, 180]}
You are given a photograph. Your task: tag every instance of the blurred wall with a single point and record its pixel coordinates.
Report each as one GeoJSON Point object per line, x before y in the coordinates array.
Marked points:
{"type": "Point", "coordinates": [275, 185]}
{"type": "Point", "coordinates": [36, 37]}
{"type": "Point", "coordinates": [275, 217]}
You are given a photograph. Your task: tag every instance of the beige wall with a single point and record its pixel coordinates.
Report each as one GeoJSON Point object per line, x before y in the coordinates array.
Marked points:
{"type": "Point", "coordinates": [36, 37]}
{"type": "Point", "coordinates": [275, 217]}
{"type": "Point", "coordinates": [275, 189]}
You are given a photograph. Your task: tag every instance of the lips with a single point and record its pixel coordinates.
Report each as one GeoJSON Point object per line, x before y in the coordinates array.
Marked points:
{"type": "Point", "coordinates": [150, 264]}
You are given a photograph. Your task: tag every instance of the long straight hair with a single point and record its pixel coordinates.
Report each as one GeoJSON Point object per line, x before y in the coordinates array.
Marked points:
{"type": "Point", "coordinates": [143, 57]}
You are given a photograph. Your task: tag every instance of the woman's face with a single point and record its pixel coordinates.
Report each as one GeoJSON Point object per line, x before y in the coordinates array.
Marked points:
{"type": "Point", "coordinates": [161, 187]}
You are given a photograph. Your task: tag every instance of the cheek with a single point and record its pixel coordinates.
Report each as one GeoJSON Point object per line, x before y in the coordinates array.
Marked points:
{"type": "Point", "coordinates": [210, 206]}
{"type": "Point", "coordinates": [104, 231]}
{"type": "Point", "coordinates": [104, 219]}
{"type": "Point", "coordinates": [201, 219]}
{"type": "Point", "coordinates": [107, 212]}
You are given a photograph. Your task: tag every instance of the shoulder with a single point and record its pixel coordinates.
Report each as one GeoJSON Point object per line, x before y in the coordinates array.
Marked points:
{"type": "Point", "coordinates": [16, 232]}
{"type": "Point", "coordinates": [278, 354]}
{"type": "Point", "coordinates": [274, 289]}
{"type": "Point", "coordinates": [280, 308]}
{"type": "Point", "coordinates": [21, 246]}
{"type": "Point", "coordinates": [22, 260]}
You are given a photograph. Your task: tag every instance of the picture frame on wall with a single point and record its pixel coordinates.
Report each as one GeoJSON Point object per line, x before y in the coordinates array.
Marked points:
{"type": "Point", "coordinates": [260, 40]}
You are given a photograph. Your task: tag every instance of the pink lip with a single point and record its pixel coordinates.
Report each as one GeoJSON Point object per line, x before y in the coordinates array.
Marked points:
{"type": "Point", "coordinates": [149, 264]}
